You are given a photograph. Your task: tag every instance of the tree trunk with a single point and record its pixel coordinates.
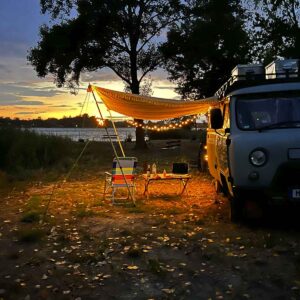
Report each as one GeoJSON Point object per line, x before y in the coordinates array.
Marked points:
{"type": "Point", "coordinates": [135, 89]}
{"type": "Point", "coordinates": [140, 136]}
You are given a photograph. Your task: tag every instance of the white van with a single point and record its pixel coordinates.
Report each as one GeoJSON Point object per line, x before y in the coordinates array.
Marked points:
{"type": "Point", "coordinates": [253, 139]}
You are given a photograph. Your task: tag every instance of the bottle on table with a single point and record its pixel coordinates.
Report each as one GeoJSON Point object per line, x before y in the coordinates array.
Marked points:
{"type": "Point", "coordinates": [148, 171]}
{"type": "Point", "coordinates": [164, 173]}
{"type": "Point", "coordinates": [154, 170]}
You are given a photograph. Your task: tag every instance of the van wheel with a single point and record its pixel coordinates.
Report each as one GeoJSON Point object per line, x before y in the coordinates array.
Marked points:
{"type": "Point", "coordinates": [236, 212]}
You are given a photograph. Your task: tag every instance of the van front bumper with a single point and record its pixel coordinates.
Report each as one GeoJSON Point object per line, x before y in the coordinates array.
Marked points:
{"type": "Point", "coordinates": [284, 187]}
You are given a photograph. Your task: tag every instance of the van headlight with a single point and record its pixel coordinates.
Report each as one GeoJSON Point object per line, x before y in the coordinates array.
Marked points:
{"type": "Point", "coordinates": [258, 157]}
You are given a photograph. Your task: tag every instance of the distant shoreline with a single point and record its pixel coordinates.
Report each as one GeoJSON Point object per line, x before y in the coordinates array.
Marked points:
{"type": "Point", "coordinates": [93, 134]}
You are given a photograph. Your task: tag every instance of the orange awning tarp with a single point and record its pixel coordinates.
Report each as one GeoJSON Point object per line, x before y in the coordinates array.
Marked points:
{"type": "Point", "coordinates": [151, 108]}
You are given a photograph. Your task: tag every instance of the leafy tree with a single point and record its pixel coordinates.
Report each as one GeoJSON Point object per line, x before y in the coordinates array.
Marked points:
{"type": "Point", "coordinates": [203, 48]}
{"type": "Point", "coordinates": [89, 35]}
{"type": "Point", "coordinates": [277, 28]}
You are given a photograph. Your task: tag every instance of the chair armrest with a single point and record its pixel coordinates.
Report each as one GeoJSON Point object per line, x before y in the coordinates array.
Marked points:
{"type": "Point", "coordinates": [108, 174]}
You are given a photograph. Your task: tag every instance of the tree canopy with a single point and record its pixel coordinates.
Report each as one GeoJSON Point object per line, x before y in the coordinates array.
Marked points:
{"type": "Point", "coordinates": [104, 33]}
{"type": "Point", "coordinates": [205, 40]}
{"type": "Point", "coordinates": [278, 30]}
{"type": "Point", "coordinates": [120, 35]}
{"type": "Point", "coordinates": [203, 48]}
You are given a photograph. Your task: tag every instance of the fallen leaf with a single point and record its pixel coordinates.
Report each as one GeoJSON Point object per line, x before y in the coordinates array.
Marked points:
{"type": "Point", "coordinates": [132, 267]}
{"type": "Point", "coordinates": [168, 291]}
{"type": "Point", "coordinates": [66, 292]}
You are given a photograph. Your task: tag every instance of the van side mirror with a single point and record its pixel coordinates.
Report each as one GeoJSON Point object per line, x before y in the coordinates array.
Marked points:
{"type": "Point", "coordinates": [216, 118]}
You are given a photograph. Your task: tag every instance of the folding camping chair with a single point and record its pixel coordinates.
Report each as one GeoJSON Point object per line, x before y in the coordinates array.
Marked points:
{"type": "Point", "coordinates": [122, 176]}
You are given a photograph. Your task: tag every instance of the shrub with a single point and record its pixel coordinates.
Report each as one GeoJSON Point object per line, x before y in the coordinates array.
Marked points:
{"type": "Point", "coordinates": [31, 217]}
{"type": "Point", "coordinates": [30, 235]}
{"type": "Point", "coordinates": [24, 150]}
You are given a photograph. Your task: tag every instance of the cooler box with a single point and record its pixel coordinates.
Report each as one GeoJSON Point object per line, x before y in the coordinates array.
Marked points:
{"type": "Point", "coordinates": [287, 68]}
{"type": "Point", "coordinates": [248, 72]}
{"type": "Point", "coordinates": [180, 168]}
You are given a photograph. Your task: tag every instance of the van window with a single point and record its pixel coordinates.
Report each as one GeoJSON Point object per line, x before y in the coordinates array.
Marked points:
{"type": "Point", "coordinates": [277, 111]}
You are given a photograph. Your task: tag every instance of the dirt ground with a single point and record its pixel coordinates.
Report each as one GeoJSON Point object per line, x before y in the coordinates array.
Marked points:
{"type": "Point", "coordinates": [167, 247]}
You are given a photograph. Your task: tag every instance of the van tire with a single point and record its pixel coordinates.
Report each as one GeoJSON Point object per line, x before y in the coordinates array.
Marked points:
{"type": "Point", "coordinates": [236, 212]}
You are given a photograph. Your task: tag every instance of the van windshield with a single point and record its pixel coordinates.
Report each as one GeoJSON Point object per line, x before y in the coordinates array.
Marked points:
{"type": "Point", "coordinates": [257, 112]}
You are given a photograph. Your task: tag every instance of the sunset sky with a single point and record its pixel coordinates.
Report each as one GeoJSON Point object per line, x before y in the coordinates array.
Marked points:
{"type": "Point", "coordinates": [22, 94]}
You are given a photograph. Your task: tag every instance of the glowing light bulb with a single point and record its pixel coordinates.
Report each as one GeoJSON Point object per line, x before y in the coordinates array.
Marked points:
{"type": "Point", "coordinates": [100, 122]}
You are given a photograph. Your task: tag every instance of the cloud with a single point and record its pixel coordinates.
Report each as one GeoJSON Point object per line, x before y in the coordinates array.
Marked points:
{"type": "Point", "coordinates": [16, 69]}
{"type": "Point", "coordinates": [4, 68]}
{"type": "Point", "coordinates": [19, 26]}
{"type": "Point", "coordinates": [170, 87]}
{"type": "Point", "coordinates": [16, 102]}
{"type": "Point", "coordinates": [10, 99]}
{"type": "Point", "coordinates": [63, 105]}
{"type": "Point", "coordinates": [30, 112]}
{"type": "Point", "coordinates": [13, 49]}
{"type": "Point", "coordinates": [25, 113]}
{"type": "Point", "coordinates": [104, 74]}
{"type": "Point", "coordinates": [33, 102]}
{"type": "Point", "coordinates": [28, 90]}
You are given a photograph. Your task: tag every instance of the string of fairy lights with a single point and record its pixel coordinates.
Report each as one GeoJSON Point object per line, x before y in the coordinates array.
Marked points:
{"type": "Point", "coordinates": [164, 127]}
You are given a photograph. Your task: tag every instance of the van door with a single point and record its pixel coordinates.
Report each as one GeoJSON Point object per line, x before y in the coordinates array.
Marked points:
{"type": "Point", "coordinates": [222, 143]}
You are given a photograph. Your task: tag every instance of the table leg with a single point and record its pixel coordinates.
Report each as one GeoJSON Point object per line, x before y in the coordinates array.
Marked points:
{"type": "Point", "coordinates": [184, 182]}
{"type": "Point", "coordinates": [146, 191]}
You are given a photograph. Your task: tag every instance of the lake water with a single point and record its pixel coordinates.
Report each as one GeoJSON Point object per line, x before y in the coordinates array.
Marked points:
{"type": "Point", "coordinates": [93, 134]}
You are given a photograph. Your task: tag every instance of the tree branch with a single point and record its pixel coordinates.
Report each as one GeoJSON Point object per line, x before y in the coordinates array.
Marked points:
{"type": "Point", "coordinates": [154, 34]}
{"type": "Point", "coordinates": [294, 16]}
{"type": "Point", "coordinates": [119, 74]}
{"type": "Point", "coordinates": [151, 68]}
{"type": "Point", "coordinates": [124, 47]}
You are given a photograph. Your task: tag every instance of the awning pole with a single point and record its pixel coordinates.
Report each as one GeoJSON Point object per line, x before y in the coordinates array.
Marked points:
{"type": "Point", "coordinates": [107, 133]}
{"type": "Point", "coordinates": [116, 132]}
{"type": "Point", "coordinates": [114, 149]}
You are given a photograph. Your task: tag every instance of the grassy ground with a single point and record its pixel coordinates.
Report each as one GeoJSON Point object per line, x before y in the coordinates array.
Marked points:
{"type": "Point", "coordinates": [167, 247]}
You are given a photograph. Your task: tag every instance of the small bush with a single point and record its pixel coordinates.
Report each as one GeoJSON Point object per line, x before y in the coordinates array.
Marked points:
{"type": "Point", "coordinates": [33, 203]}
{"type": "Point", "coordinates": [31, 235]}
{"type": "Point", "coordinates": [23, 154]}
{"type": "Point", "coordinates": [32, 211]}
{"type": "Point", "coordinates": [134, 251]}
{"type": "Point", "coordinates": [31, 217]}
{"type": "Point", "coordinates": [155, 267]}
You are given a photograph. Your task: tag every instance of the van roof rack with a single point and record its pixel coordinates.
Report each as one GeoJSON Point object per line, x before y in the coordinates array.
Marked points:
{"type": "Point", "coordinates": [278, 71]}
{"type": "Point", "coordinates": [248, 80]}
